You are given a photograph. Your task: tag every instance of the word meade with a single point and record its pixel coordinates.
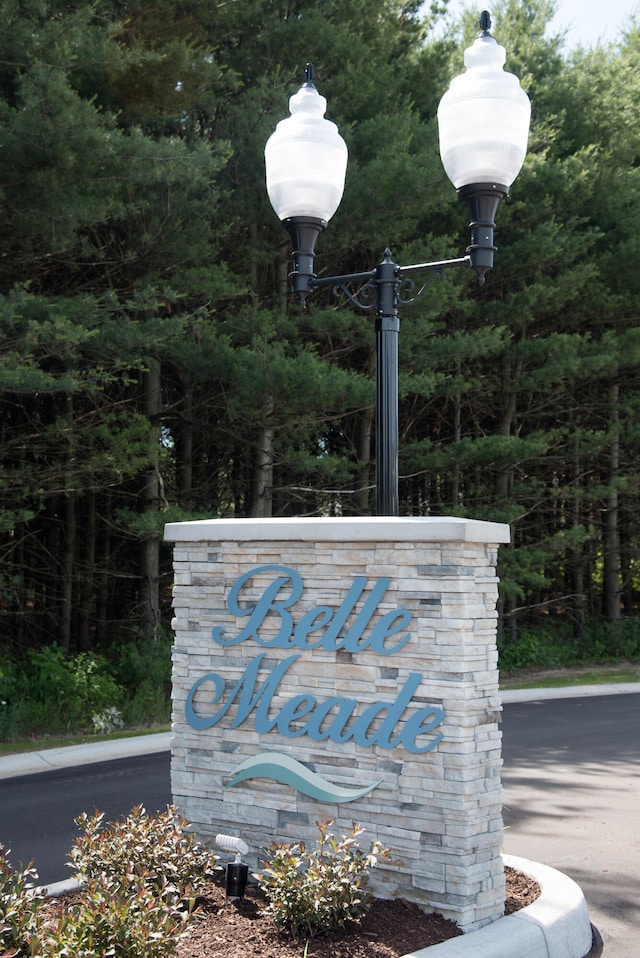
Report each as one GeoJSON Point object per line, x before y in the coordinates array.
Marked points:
{"type": "Point", "coordinates": [385, 724]}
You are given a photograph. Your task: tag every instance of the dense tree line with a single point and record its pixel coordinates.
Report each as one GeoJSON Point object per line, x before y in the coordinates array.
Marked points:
{"type": "Point", "coordinates": [152, 366]}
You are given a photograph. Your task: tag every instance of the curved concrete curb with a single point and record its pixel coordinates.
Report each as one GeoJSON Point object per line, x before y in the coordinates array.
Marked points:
{"type": "Point", "coordinates": [59, 888]}
{"type": "Point", "coordinates": [555, 926]}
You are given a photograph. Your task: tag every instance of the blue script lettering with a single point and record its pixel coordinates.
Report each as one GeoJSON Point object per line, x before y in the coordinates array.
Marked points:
{"type": "Point", "coordinates": [320, 627]}
{"type": "Point", "coordinates": [333, 719]}
{"type": "Point", "coordinates": [265, 604]}
{"type": "Point", "coordinates": [244, 692]}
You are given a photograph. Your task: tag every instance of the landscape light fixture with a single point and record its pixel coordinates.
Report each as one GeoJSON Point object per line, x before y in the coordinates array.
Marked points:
{"type": "Point", "coordinates": [483, 122]}
{"type": "Point", "coordinates": [236, 872]}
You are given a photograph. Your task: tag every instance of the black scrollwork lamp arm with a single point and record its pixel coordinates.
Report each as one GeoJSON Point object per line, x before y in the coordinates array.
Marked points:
{"type": "Point", "coordinates": [483, 122]}
{"type": "Point", "coordinates": [381, 289]}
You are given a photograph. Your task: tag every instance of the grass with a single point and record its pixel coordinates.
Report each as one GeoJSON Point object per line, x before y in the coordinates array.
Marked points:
{"type": "Point", "coordinates": [566, 678]}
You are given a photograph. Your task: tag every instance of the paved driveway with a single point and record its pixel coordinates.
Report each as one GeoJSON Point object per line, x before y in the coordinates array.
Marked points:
{"type": "Point", "coordinates": [572, 800]}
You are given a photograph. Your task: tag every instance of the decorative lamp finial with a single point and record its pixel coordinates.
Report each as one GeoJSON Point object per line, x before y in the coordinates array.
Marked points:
{"type": "Point", "coordinates": [309, 74]}
{"type": "Point", "coordinates": [485, 21]}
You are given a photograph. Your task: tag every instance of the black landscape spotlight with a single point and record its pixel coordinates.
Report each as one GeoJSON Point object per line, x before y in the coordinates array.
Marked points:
{"type": "Point", "coordinates": [236, 872]}
{"type": "Point", "coordinates": [483, 121]}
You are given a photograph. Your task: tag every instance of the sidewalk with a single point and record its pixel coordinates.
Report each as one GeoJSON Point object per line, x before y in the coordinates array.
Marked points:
{"type": "Point", "coordinates": [29, 763]}
{"type": "Point", "coordinates": [568, 692]}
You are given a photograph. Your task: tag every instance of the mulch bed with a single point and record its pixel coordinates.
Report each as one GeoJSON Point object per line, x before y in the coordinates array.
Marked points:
{"type": "Point", "coordinates": [240, 929]}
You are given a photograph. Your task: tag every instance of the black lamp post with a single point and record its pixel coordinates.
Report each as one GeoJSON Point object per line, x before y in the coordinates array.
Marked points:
{"type": "Point", "coordinates": [483, 123]}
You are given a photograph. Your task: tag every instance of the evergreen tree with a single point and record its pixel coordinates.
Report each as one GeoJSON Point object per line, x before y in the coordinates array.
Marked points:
{"type": "Point", "coordinates": [104, 223]}
{"type": "Point", "coordinates": [153, 365]}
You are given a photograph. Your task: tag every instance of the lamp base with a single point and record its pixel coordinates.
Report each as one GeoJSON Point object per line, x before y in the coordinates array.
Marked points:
{"type": "Point", "coordinates": [304, 231]}
{"type": "Point", "coordinates": [482, 200]}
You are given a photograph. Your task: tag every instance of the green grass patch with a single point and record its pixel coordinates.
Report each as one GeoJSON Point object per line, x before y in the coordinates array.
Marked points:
{"type": "Point", "coordinates": [567, 678]}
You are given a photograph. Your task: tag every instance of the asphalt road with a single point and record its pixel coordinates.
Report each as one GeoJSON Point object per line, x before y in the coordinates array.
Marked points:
{"type": "Point", "coordinates": [572, 800]}
{"type": "Point", "coordinates": [37, 812]}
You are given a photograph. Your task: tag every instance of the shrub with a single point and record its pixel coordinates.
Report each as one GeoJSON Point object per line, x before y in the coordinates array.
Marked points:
{"type": "Point", "coordinates": [138, 876]}
{"type": "Point", "coordinates": [107, 721]}
{"type": "Point", "coordinates": [321, 890]}
{"type": "Point", "coordinates": [61, 693]}
{"type": "Point", "coordinates": [141, 660]}
{"type": "Point", "coordinates": [19, 909]}
{"type": "Point", "coordinates": [141, 922]}
{"type": "Point", "coordinates": [143, 669]}
{"type": "Point", "coordinates": [92, 684]}
{"type": "Point", "coordinates": [152, 850]}
{"type": "Point", "coordinates": [557, 645]}
{"type": "Point", "coordinates": [540, 649]}
{"type": "Point", "coordinates": [48, 691]}
{"type": "Point", "coordinates": [7, 677]}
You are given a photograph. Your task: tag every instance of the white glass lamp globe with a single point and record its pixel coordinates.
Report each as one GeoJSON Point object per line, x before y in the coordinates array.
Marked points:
{"type": "Point", "coordinates": [306, 159]}
{"type": "Point", "coordinates": [483, 119]}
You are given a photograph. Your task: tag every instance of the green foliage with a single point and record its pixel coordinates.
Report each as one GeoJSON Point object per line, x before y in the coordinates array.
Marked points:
{"type": "Point", "coordinates": [139, 238]}
{"type": "Point", "coordinates": [139, 877]}
{"type": "Point", "coordinates": [556, 646]}
{"type": "Point", "coordinates": [318, 891]}
{"type": "Point", "coordinates": [128, 919]}
{"type": "Point", "coordinates": [539, 649]}
{"type": "Point", "coordinates": [108, 720]}
{"type": "Point", "coordinates": [613, 640]}
{"type": "Point", "coordinates": [143, 669]}
{"type": "Point", "coordinates": [49, 692]}
{"type": "Point", "coordinates": [151, 851]}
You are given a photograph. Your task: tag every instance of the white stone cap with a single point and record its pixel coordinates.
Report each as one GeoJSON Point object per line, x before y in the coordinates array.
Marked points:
{"type": "Point", "coordinates": [330, 529]}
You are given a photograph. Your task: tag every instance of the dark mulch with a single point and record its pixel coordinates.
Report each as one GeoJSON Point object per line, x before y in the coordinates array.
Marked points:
{"type": "Point", "coordinates": [240, 929]}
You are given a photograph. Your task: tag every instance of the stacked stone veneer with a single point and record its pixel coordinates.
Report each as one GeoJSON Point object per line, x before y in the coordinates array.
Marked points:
{"type": "Point", "coordinates": [439, 812]}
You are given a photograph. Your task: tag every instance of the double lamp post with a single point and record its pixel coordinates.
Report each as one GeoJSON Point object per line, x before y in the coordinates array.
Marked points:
{"type": "Point", "coordinates": [483, 122]}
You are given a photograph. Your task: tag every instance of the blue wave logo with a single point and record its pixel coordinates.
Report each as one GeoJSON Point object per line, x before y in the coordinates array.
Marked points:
{"type": "Point", "coordinates": [288, 771]}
